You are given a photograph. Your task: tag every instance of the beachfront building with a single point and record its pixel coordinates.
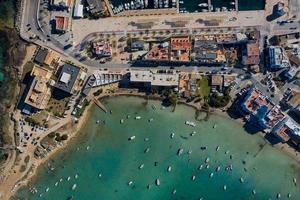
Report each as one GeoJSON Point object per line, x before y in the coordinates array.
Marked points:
{"type": "Point", "coordinates": [48, 58]}
{"type": "Point", "coordinates": [101, 78]}
{"type": "Point", "coordinates": [154, 79]}
{"type": "Point", "coordinates": [277, 58]}
{"type": "Point", "coordinates": [61, 24]}
{"type": "Point", "coordinates": [287, 129]}
{"type": "Point", "coordinates": [38, 92]}
{"type": "Point", "coordinates": [255, 104]}
{"type": "Point", "coordinates": [69, 79]}
{"type": "Point", "coordinates": [180, 49]}
{"type": "Point", "coordinates": [102, 49]}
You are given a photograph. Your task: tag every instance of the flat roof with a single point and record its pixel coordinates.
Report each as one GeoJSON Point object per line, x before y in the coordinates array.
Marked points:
{"type": "Point", "coordinates": [41, 56]}
{"type": "Point", "coordinates": [156, 78]}
{"type": "Point", "coordinates": [67, 78]}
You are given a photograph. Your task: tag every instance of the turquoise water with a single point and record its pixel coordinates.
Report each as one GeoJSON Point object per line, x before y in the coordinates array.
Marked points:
{"type": "Point", "coordinates": [263, 168]}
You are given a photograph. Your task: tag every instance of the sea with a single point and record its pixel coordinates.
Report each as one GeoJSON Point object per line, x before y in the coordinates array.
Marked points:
{"type": "Point", "coordinates": [219, 160]}
{"type": "Point", "coordinates": [192, 5]}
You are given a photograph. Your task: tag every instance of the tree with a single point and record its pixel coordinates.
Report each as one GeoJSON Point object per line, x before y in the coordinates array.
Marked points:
{"type": "Point", "coordinates": [173, 98]}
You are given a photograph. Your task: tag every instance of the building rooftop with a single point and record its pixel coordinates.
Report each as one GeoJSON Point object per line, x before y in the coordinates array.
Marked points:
{"type": "Point", "coordinates": [295, 100]}
{"type": "Point", "coordinates": [102, 49]}
{"type": "Point", "coordinates": [41, 56]}
{"type": "Point", "coordinates": [155, 77]}
{"type": "Point", "coordinates": [67, 78]}
{"type": "Point", "coordinates": [217, 80]}
{"type": "Point", "coordinates": [62, 23]}
{"type": "Point", "coordinates": [252, 54]}
{"type": "Point", "coordinates": [65, 3]}
{"type": "Point", "coordinates": [158, 52]}
{"type": "Point", "coordinates": [39, 92]}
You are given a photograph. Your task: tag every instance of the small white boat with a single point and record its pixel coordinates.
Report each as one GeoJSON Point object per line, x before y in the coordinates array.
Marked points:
{"type": "Point", "coordinates": [295, 181]}
{"type": "Point", "coordinates": [157, 182]}
{"type": "Point", "coordinates": [150, 120]}
{"type": "Point", "coordinates": [207, 166]}
{"type": "Point", "coordinates": [56, 184]}
{"type": "Point", "coordinates": [193, 177]}
{"type": "Point", "coordinates": [147, 150]}
{"type": "Point", "coordinates": [69, 178]}
{"type": "Point", "coordinates": [180, 151]}
{"type": "Point", "coordinates": [215, 126]}
{"type": "Point", "coordinates": [141, 166]}
{"type": "Point", "coordinates": [207, 160]}
{"type": "Point", "coordinates": [138, 117]}
{"type": "Point", "coordinates": [47, 189]}
{"type": "Point", "coordinates": [193, 133]}
{"type": "Point", "coordinates": [218, 148]}
{"type": "Point", "coordinates": [253, 191]}
{"type": "Point", "coordinates": [172, 135]}
{"type": "Point", "coordinates": [241, 180]}
{"type": "Point", "coordinates": [203, 5]}
{"type": "Point", "coordinates": [200, 167]}
{"type": "Point", "coordinates": [88, 147]}
{"type": "Point", "coordinates": [289, 195]}
{"type": "Point", "coordinates": [169, 168]}
{"type": "Point", "coordinates": [189, 123]}
{"type": "Point", "coordinates": [130, 183]}
{"type": "Point", "coordinates": [232, 3]}
{"type": "Point", "coordinates": [74, 187]}
{"type": "Point", "coordinates": [224, 187]}
{"type": "Point", "coordinates": [60, 180]}
{"type": "Point", "coordinates": [76, 176]}
{"type": "Point", "coordinates": [146, 139]}
{"type": "Point", "coordinates": [211, 175]}
{"type": "Point", "coordinates": [132, 137]}
{"type": "Point", "coordinates": [174, 191]}
{"type": "Point", "coordinates": [181, 2]}
{"type": "Point", "coordinates": [278, 196]}
{"type": "Point", "coordinates": [226, 152]}
{"type": "Point", "coordinates": [218, 168]}
{"type": "Point", "coordinates": [190, 151]}
{"type": "Point", "coordinates": [99, 175]}
{"type": "Point", "coordinates": [98, 121]}
{"type": "Point", "coordinates": [121, 121]}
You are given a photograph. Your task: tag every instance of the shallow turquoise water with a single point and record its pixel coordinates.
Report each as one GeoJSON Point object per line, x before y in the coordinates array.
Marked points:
{"type": "Point", "coordinates": [263, 168]}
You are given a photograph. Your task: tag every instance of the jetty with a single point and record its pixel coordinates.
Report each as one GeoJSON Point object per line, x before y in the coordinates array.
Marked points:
{"type": "Point", "coordinates": [99, 104]}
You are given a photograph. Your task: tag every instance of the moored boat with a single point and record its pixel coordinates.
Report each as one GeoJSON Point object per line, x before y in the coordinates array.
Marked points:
{"type": "Point", "coordinates": [157, 182]}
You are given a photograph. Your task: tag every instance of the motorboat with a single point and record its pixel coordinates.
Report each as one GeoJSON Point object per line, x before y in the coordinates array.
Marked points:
{"type": "Point", "coordinates": [150, 120]}
{"type": "Point", "coordinates": [224, 187]}
{"type": "Point", "coordinates": [169, 168]}
{"type": "Point", "coordinates": [241, 180]}
{"type": "Point", "coordinates": [200, 167]}
{"type": "Point", "coordinates": [69, 178]}
{"type": "Point", "coordinates": [47, 189]}
{"type": "Point", "coordinates": [172, 135]}
{"type": "Point", "coordinates": [211, 175]}
{"type": "Point", "coordinates": [193, 177]}
{"type": "Point", "coordinates": [146, 139]}
{"type": "Point", "coordinates": [141, 166]}
{"type": "Point", "coordinates": [203, 5]}
{"type": "Point", "coordinates": [218, 168]}
{"type": "Point", "coordinates": [132, 137]}
{"type": "Point", "coordinates": [74, 186]}
{"type": "Point", "coordinates": [180, 151]}
{"type": "Point", "coordinates": [278, 196]}
{"type": "Point", "coordinates": [189, 123]}
{"type": "Point", "coordinates": [181, 2]}
{"type": "Point", "coordinates": [207, 160]}
{"type": "Point", "coordinates": [138, 117]}
{"type": "Point", "coordinates": [190, 151]}
{"type": "Point", "coordinates": [253, 191]}
{"type": "Point", "coordinates": [174, 191]}
{"type": "Point", "coordinates": [121, 121]}
{"type": "Point", "coordinates": [99, 175]}
{"type": "Point", "coordinates": [218, 148]}
{"type": "Point", "coordinates": [193, 133]}
{"type": "Point", "coordinates": [130, 183]}
{"type": "Point", "coordinates": [207, 166]}
{"type": "Point", "coordinates": [215, 126]}
{"type": "Point", "coordinates": [76, 176]}
{"type": "Point", "coordinates": [232, 3]}
{"type": "Point", "coordinates": [147, 150]}
{"type": "Point", "coordinates": [157, 182]}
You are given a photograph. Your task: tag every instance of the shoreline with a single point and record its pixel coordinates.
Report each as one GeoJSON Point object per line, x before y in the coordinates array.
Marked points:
{"type": "Point", "coordinates": [32, 173]}
{"type": "Point", "coordinates": [82, 121]}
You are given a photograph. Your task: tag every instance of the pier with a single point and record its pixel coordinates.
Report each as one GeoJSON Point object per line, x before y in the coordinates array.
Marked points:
{"type": "Point", "coordinates": [99, 104]}
{"type": "Point", "coordinates": [111, 13]}
{"type": "Point", "coordinates": [236, 5]}
{"type": "Point", "coordinates": [209, 5]}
